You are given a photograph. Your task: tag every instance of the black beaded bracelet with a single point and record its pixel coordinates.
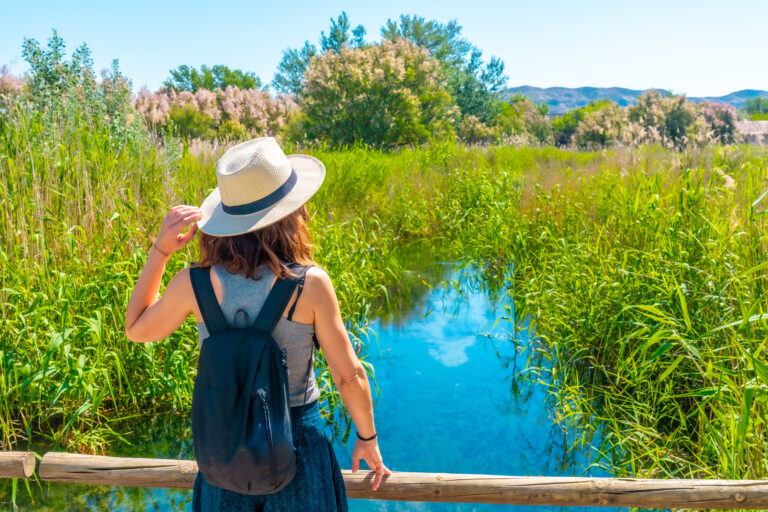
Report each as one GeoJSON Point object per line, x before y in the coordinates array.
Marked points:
{"type": "Point", "coordinates": [366, 438]}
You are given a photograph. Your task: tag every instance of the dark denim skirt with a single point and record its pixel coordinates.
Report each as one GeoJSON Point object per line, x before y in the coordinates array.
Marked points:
{"type": "Point", "coordinates": [317, 486]}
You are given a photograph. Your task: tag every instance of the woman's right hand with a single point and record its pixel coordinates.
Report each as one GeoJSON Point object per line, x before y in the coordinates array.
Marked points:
{"type": "Point", "coordinates": [170, 239]}
{"type": "Point", "coordinates": [369, 451]}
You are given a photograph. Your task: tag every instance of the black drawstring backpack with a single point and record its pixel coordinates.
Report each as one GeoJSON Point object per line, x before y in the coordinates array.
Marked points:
{"type": "Point", "coordinates": [241, 421]}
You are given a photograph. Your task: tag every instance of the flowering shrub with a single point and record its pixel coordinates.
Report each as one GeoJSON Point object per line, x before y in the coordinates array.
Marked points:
{"type": "Point", "coordinates": [10, 87]}
{"type": "Point", "coordinates": [386, 95]}
{"type": "Point", "coordinates": [665, 119]}
{"type": "Point", "coordinates": [474, 131]}
{"type": "Point", "coordinates": [519, 121]}
{"type": "Point", "coordinates": [602, 125]}
{"type": "Point", "coordinates": [231, 113]}
{"type": "Point", "coordinates": [155, 108]}
{"type": "Point", "coordinates": [670, 121]}
{"type": "Point", "coordinates": [721, 122]}
{"type": "Point", "coordinates": [537, 128]}
{"type": "Point", "coordinates": [10, 84]}
{"type": "Point", "coordinates": [675, 123]}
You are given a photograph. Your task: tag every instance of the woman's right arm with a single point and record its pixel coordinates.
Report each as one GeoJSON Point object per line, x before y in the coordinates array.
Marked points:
{"type": "Point", "coordinates": [347, 372]}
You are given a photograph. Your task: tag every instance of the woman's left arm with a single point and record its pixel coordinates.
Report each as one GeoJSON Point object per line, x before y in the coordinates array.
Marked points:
{"type": "Point", "coordinates": [149, 317]}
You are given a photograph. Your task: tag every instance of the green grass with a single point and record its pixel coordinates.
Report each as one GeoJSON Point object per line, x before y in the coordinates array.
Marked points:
{"type": "Point", "coordinates": [642, 271]}
{"type": "Point", "coordinates": [646, 282]}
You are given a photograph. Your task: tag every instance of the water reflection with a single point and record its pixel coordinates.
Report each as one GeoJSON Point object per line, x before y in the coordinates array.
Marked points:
{"type": "Point", "coordinates": [451, 400]}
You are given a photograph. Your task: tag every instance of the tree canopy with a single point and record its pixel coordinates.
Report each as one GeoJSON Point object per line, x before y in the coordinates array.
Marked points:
{"type": "Point", "coordinates": [290, 71]}
{"type": "Point", "coordinates": [187, 78]}
{"type": "Point", "coordinates": [471, 82]}
{"type": "Point", "coordinates": [386, 95]}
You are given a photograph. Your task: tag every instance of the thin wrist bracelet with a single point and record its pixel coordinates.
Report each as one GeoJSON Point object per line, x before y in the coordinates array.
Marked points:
{"type": "Point", "coordinates": [366, 438]}
{"type": "Point", "coordinates": [160, 250]}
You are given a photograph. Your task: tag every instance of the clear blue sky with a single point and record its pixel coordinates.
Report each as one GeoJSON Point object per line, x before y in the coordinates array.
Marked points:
{"type": "Point", "coordinates": [700, 48]}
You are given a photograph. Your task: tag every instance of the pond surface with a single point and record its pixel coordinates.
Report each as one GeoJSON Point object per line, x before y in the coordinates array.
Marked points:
{"type": "Point", "coordinates": [450, 401]}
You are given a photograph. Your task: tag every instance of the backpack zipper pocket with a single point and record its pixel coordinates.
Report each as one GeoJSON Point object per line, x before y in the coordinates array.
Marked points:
{"type": "Point", "coordinates": [284, 361]}
{"type": "Point", "coordinates": [268, 429]}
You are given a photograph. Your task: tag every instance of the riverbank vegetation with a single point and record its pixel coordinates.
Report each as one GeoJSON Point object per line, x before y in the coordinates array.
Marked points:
{"type": "Point", "coordinates": [642, 270]}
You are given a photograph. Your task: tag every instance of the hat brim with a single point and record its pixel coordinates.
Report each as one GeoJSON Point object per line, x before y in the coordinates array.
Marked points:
{"type": "Point", "coordinates": [310, 173]}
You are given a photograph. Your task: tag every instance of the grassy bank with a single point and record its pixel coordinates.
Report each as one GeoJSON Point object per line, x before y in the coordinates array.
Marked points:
{"type": "Point", "coordinates": [646, 280]}
{"type": "Point", "coordinates": [642, 270]}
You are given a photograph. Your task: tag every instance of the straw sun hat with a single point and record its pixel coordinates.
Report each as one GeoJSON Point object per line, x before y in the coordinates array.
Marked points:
{"type": "Point", "coordinates": [258, 185]}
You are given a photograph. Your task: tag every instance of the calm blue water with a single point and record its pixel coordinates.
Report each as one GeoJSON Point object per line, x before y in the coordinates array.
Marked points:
{"type": "Point", "coordinates": [449, 398]}
{"type": "Point", "coordinates": [449, 401]}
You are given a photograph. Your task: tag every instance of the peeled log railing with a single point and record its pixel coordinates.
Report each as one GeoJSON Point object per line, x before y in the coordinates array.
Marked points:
{"type": "Point", "coordinates": [17, 464]}
{"type": "Point", "coordinates": [441, 487]}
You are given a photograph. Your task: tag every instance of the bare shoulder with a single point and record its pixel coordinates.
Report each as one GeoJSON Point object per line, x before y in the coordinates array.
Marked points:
{"type": "Point", "coordinates": [180, 286]}
{"type": "Point", "coordinates": [318, 284]}
{"type": "Point", "coordinates": [181, 279]}
{"type": "Point", "coordinates": [318, 277]}
{"type": "Point", "coordinates": [324, 303]}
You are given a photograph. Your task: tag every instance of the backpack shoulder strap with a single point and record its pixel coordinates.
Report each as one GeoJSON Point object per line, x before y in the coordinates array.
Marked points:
{"type": "Point", "coordinates": [213, 317]}
{"type": "Point", "coordinates": [275, 304]}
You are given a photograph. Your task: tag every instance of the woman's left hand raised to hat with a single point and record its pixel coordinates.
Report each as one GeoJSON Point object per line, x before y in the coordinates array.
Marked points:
{"type": "Point", "coordinates": [172, 237]}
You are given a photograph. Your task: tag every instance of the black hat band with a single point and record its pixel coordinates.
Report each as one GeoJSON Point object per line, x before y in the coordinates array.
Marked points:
{"type": "Point", "coordinates": [266, 201]}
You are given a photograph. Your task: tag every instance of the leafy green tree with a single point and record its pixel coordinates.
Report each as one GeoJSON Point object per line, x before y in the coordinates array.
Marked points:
{"type": "Point", "coordinates": [386, 95]}
{"type": "Point", "coordinates": [756, 109]}
{"type": "Point", "coordinates": [509, 121]}
{"type": "Point", "coordinates": [293, 65]}
{"type": "Point", "coordinates": [756, 105]}
{"type": "Point", "coordinates": [290, 72]}
{"type": "Point", "coordinates": [70, 87]}
{"type": "Point", "coordinates": [472, 83]}
{"type": "Point", "coordinates": [190, 123]}
{"type": "Point", "coordinates": [48, 70]}
{"type": "Point", "coordinates": [341, 36]}
{"type": "Point", "coordinates": [187, 78]}
{"type": "Point", "coordinates": [564, 126]}
{"type": "Point", "coordinates": [442, 41]}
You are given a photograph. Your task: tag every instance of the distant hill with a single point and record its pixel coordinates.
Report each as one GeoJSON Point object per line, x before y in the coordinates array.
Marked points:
{"type": "Point", "coordinates": [563, 99]}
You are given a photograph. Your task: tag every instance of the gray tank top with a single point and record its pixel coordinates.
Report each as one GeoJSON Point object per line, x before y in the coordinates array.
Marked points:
{"type": "Point", "coordinates": [243, 293]}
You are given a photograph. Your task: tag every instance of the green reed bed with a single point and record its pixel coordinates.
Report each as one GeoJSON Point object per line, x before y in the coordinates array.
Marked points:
{"type": "Point", "coordinates": [646, 282]}
{"type": "Point", "coordinates": [642, 271]}
{"type": "Point", "coordinates": [81, 205]}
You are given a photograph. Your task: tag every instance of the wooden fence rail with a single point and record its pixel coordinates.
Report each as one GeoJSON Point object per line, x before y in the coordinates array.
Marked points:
{"type": "Point", "coordinates": [17, 464]}
{"type": "Point", "coordinates": [443, 487]}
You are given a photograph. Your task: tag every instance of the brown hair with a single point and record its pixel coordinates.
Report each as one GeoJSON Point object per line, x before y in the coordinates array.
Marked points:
{"type": "Point", "coordinates": [287, 240]}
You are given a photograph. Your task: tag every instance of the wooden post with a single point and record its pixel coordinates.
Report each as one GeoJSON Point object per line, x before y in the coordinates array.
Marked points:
{"type": "Point", "coordinates": [17, 464]}
{"type": "Point", "coordinates": [402, 486]}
